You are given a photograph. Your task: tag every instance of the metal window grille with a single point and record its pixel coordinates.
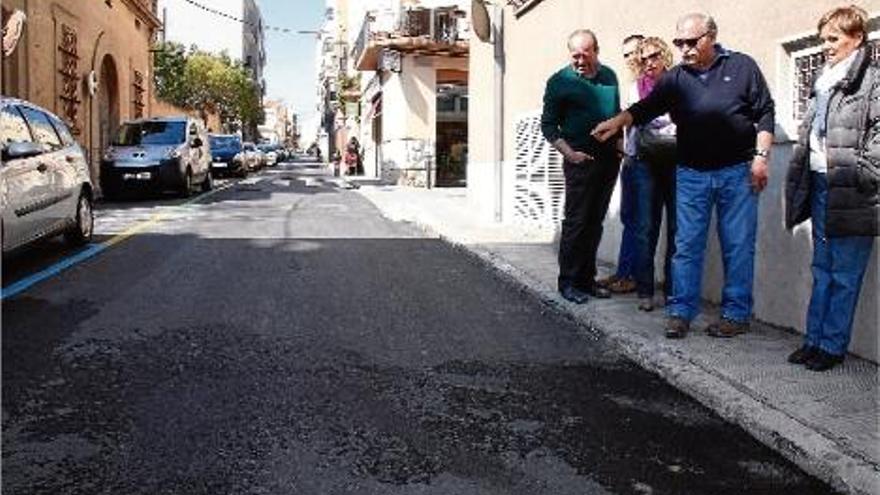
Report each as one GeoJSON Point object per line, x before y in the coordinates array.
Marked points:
{"type": "Point", "coordinates": [539, 183]}
{"type": "Point", "coordinates": [805, 69]}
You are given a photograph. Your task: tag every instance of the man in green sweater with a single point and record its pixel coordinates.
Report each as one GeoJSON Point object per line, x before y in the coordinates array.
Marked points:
{"type": "Point", "coordinates": [576, 98]}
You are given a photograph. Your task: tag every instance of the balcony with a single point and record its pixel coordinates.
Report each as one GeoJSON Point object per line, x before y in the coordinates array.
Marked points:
{"type": "Point", "coordinates": [419, 31]}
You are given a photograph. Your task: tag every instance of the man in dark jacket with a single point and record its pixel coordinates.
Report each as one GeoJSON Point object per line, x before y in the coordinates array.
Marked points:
{"type": "Point", "coordinates": [725, 116]}
{"type": "Point", "coordinates": [578, 97]}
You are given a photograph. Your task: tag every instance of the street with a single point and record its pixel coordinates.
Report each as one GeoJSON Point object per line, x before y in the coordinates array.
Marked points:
{"type": "Point", "coordinates": [279, 336]}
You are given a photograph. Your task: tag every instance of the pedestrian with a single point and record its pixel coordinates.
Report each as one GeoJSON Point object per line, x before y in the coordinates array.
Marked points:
{"type": "Point", "coordinates": [833, 180]}
{"type": "Point", "coordinates": [653, 148]}
{"type": "Point", "coordinates": [724, 115]}
{"type": "Point", "coordinates": [576, 98]}
{"type": "Point", "coordinates": [622, 280]}
{"type": "Point", "coordinates": [352, 156]}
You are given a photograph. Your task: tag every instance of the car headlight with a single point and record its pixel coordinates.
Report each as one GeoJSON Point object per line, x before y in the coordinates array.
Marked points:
{"type": "Point", "coordinates": [175, 153]}
{"type": "Point", "coordinates": [109, 154]}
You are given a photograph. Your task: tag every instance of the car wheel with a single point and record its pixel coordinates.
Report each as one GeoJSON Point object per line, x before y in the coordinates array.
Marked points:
{"type": "Point", "coordinates": [81, 232]}
{"type": "Point", "coordinates": [186, 189]}
{"type": "Point", "coordinates": [208, 183]}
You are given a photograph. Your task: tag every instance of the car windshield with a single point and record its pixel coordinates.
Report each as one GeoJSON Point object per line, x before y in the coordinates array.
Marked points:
{"type": "Point", "coordinates": [134, 134]}
{"type": "Point", "coordinates": [224, 142]}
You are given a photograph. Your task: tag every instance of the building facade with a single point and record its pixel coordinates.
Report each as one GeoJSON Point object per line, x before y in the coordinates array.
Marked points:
{"type": "Point", "coordinates": [413, 92]}
{"type": "Point", "coordinates": [88, 61]}
{"type": "Point", "coordinates": [516, 177]}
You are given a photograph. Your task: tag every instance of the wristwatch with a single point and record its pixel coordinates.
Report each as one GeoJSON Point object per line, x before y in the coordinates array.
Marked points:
{"type": "Point", "coordinates": [762, 153]}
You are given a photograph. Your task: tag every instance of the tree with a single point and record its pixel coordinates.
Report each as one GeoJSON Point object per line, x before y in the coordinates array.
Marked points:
{"type": "Point", "coordinates": [204, 82]}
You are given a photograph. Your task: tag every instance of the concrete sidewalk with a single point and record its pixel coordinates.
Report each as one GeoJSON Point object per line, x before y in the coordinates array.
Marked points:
{"type": "Point", "coordinates": [827, 423]}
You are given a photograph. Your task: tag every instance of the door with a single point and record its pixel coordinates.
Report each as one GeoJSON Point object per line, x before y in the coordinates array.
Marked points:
{"type": "Point", "coordinates": [23, 182]}
{"type": "Point", "coordinates": [55, 164]}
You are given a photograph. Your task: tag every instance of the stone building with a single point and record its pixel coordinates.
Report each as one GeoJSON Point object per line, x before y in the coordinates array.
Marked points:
{"type": "Point", "coordinates": [88, 61]}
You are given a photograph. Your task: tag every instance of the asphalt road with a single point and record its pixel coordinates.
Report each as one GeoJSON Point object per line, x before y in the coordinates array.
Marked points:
{"type": "Point", "coordinates": [280, 337]}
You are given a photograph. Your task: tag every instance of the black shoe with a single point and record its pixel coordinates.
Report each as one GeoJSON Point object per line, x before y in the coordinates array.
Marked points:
{"type": "Point", "coordinates": [599, 292]}
{"type": "Point", "coordinates": [823, 361]}
{"type": "Point", "coordinates": [802, 355]}
{"type": "Point", "coordinates": [576, 296]}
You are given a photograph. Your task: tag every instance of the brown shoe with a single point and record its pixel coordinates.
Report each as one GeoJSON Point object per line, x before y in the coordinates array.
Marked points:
{"type": "Point", "coordinates": [725, 328]}
{"type": "Point", "coordinates": [676, 327]}
{"type": "Point", "coordinates": [607, 281]}
{"type": "Point", "coordinates": [623, 286]}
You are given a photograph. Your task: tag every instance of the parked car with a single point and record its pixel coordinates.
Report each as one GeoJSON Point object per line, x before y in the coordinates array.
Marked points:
{"type": "Point", "coordinates": [252, 155]}
{"type": "Point", "coordinates": [156, 155]}
{"type": "Point", "coordinates": [45, 189]}
{"type": "Point", "coordinates": [226, 155]}
{"type": "Point", "coordinates": [271, 155]}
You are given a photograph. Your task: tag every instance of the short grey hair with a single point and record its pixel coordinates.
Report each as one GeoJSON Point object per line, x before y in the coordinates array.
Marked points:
{"type": "Point", "coordinates": [583, 32]}
{"type": "Point", "coordinates": [702, 17]}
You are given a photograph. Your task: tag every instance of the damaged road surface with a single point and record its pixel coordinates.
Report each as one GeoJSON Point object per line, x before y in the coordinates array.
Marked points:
{"type": "Point", "coordinates": [284, 338]}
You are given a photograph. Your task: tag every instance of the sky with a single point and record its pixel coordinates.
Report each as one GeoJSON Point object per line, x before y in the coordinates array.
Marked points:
{"type": "Point", "coordinates": [290, 65]}
{"type": "Point", "coordinates": [290, 57]}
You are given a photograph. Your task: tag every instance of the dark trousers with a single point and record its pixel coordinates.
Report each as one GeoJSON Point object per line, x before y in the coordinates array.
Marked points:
{"type": "Point", "coordinates": [588, 188]}
{"type": "Point", "coordinates": [654, 190]}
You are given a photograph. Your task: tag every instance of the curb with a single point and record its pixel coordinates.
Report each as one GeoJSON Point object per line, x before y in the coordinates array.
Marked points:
{"type": "Point", "coordinates": [818, 454]}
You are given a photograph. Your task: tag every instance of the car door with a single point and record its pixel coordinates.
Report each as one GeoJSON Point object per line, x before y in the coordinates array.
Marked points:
{"type": "Point", "coordinates": [23, 182]}
{"type": "Point", "coordinates": [59, 205]}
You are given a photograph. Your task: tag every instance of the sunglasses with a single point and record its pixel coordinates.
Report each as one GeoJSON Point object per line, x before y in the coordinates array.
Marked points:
{"type": "Point", "coordinates": [687, 43]}
{"type": "Point", "coordinates": [652, 56]}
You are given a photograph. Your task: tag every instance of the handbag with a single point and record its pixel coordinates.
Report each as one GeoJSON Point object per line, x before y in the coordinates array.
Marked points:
{"type": "Point", "coordinates": [655, 147]}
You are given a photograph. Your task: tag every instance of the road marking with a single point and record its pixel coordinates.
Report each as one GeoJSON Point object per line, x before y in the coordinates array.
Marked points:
{"type": "Point", "coordinates": [93, 250]}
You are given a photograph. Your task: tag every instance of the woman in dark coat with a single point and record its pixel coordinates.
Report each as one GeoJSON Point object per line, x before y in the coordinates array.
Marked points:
{"type": "Point", "coordinates": [833, 179]}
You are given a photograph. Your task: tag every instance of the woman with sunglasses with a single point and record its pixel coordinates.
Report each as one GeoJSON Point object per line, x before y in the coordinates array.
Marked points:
{"type": "Point", "coordinates": [653, 172]}
{"type": "Point", "coordinates": [833, 180]}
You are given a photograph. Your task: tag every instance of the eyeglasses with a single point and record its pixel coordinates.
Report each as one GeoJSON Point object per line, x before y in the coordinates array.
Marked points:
{"type": "Point", "coordinates": [688, 43]}
{"type": "Point", "coordinates": [649, 57]}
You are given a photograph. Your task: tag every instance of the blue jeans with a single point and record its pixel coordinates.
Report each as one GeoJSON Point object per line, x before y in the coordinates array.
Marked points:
{"type": "Point", "coordinates": [626, 258]}
{"type": "Point", "coordinates": [654, 190]}
{"type": "Point", "coordinates": [839, 265]}
{"type": "Point", "coordinates": [729, 192]}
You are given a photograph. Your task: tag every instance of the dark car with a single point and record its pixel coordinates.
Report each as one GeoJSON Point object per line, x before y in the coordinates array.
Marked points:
{"type": "Point", "coordinates": [45, 189]}
{"type": "Point", "coordinates": [227, 158]}
{"type": "Point", "coordinates": [156, 155]}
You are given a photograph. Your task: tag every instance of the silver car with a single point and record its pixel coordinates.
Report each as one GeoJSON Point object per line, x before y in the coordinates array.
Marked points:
{"type": "Point", "coordinates": [158, 154]}
{"type": "Point", "coordinates": [45, 187]}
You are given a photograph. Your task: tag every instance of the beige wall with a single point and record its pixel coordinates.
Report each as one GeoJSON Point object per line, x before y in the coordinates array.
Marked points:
{"type": "Point", "coordinates": [100, 31]}
{"type": "Point", "coordinates": [534, 46]}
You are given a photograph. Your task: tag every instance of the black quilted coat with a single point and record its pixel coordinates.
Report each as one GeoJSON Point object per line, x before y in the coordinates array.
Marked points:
{"type": "Point", "coordinates": [853, 150]}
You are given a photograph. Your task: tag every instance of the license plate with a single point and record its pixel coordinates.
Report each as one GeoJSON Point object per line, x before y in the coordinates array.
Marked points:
{"type": "Point", "coordinates": [137, 176]}
{"type": "Point", "coordinates": [219, 165]}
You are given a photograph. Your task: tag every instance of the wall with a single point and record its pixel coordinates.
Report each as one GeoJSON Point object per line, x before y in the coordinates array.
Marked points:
{"type": "Point", "coordinates": [409, 121]}
{"type": "Point", "coordinates": [102, 33]}
{"type": "Point", "coordinates": [534, 46]}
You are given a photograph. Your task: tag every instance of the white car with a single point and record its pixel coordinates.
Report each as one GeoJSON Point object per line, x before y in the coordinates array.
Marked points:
{"type": "Point", "coordinates": [45, 186]}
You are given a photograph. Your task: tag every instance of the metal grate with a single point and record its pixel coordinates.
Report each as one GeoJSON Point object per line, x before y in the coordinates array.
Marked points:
{"type": "Point", "coordinates": [805, 69]}
{"type": "Point", "coordinates": [539, 183]}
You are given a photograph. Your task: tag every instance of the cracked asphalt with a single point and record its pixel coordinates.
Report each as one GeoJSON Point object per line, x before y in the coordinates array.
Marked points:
{"type": "Point", "coordinates": [280, 337]}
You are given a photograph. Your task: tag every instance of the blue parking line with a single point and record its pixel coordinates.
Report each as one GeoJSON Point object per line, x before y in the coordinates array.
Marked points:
{"type": "Point", "coordinates": [26, 283]}
{"type": "Point", "coordinates": [93, 249]}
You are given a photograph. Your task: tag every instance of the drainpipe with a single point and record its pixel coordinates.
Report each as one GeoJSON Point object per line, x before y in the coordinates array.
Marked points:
{"type": "Point", "coordinates": [94, 160]}
{"type": "Point", "coordinates": [498, 83]}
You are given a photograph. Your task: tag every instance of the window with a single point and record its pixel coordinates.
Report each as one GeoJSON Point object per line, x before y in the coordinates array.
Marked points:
{"type": "Point", "coordinates": [43, 131]}
{"type": "Point", "coordinates": [520, 7]}
{"type": "Point", "coordinates": [63, 131]}
{"type": "Point", "coordinates": [155, 132]}
{"type": "Point", "coordinates": [806, 65]}
{"type": "Point", "coordinates": [13, 128]}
